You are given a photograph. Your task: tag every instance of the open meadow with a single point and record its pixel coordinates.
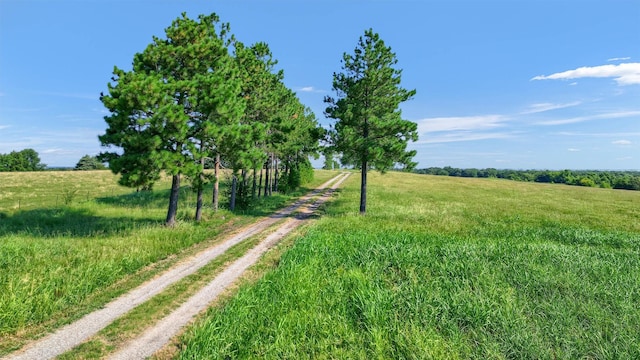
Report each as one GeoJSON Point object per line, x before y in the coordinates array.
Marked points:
{"type": "Point", "coordinates": [440, 267]}
{"type": "Point", "coordinates": [71, 241]}
{"type": "Point", "coordinates": [445, 268]}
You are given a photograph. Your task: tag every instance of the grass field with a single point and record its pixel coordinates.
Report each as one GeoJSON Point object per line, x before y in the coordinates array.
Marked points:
{"type": "Point", "coordinates": [71, 241]}
{"type": "Point", "coordinates": [445, 268]}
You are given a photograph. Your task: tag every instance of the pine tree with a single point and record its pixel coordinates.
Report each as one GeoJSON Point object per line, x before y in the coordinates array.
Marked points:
{"type": "Point", "coordinates": [164, 112]}
{"type": "Point", "coordinates": [89, 163]}
{"type": "Point", "coordinates": [370, 132]}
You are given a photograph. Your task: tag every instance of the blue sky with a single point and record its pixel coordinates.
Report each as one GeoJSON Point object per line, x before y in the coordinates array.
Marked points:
{"type": "Point", "coordinates": [517, 84]}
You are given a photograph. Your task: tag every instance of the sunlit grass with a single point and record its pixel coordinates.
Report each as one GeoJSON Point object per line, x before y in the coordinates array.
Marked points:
{"type": "Point", "coordinates": [42, 189]}
{"type": "Point", "coordinates": [446, 268]}
{"type": "Point", "coordinates": [148, 313]}
{"type": "Point", "coordinates": [57, 262]}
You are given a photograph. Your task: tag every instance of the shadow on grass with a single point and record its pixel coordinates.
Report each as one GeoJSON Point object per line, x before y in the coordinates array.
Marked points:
{"type": "Point", "coordinates": [261, 207]}
{"type": "Point", "coordinates": [155, 199]}
{"type": "Point", "coordinates": [54, 222]}
{"type": "Point", "coordinates": [271, 206]}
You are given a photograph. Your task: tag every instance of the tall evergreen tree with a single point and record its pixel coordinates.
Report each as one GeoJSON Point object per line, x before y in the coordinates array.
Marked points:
{"type": "Point", "coordinates": [162, 109]}
{"type": "Point", "coordinates": [300, 140]}
{"type": "Point", "coordinates": [261, 84]}
{"type": "Point", "coordinates": [242, 147]}
{"type": "Point", "coordinates": [370, 132]}
{"type": "Point", "coordinates": [89, 163]}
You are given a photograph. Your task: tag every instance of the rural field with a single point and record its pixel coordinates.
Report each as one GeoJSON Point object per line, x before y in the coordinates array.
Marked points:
{"type": "Point", "coordinates": [71, 241]}
{"type": "Point", "coordinates": [445, 268]}
{"type": "Point", "coordinates": [440, 267]}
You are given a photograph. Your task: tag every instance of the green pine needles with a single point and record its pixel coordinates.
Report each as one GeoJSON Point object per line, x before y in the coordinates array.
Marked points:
{"type": "Point", "coordinates": [198, 95]}
{"type": "Point", "coordinates": [370, 132]}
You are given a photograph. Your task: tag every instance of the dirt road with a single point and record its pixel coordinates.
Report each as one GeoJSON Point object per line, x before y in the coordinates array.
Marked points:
{"type": "Point", "coordinates": [152, 339]}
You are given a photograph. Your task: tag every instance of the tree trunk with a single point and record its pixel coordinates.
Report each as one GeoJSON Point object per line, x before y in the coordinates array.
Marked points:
{"type": "Point", "coordinates": [365, 167]}
{"type": "Point", "coordinates": [173, 201]}
{"type": "Point", "coordinates": [242, 189]}
{"type": "Point", "coordinates": [199, 202]}
{"type": "Point", "coordinates": [260, 183]}
{"type": "Point", "coordinates": [363, 188]}
{"type": "Point", "coordinates": [216, 183]}
{"type": "Point", "coordinates": [245, 179]}
{"type": "Point", "coordinates": [275, 179]}
{"type": "Point", "coordinates": [234, 185]}
{"type": "Point", "coordinates": [200, 190]}
{"type": "Point", "coordinates": [266, 178]}
{"type": "Point", "coordinates": [270, 182]}
{"type": "Point", "coordinates": [255, 184]}
{"type": "Point", "coordinates": [199, 205]}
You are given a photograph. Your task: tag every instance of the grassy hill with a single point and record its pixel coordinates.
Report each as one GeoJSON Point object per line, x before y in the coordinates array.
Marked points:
{"type": "Point", "coordinates": [445, 268]}
{"type": "Point", "coordinates": [440, 267]}
{"type": "Point", "coordinates": [71, 241]}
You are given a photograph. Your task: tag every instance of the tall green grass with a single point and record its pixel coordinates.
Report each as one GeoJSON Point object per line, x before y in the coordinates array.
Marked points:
{"type": "Point", "coordinates": [58, 262]}
{"type": "Point", "coordinates": [446, 268]}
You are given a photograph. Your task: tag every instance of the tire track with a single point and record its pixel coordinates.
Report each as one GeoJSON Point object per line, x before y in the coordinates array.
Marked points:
{"type": "Point", "coordinates": [154, 338]}
{"type": "Point", "coordinates": [71, 335]}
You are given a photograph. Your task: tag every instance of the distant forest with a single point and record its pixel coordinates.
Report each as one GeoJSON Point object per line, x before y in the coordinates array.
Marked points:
{"type": "Point", "coordinates": [628, 180]}
{"type": "Point", "coordinates": [24, 160]}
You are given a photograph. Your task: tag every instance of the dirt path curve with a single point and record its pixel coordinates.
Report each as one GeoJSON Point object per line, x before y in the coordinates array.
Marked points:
{"type": "Point", "coordinates": [75, 333]}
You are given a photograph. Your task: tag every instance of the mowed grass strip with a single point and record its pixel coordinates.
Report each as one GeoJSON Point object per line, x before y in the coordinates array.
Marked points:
{"type": "Point", "coordinates": [445, 268]}
{"type": "Point", "coordinates": [59, 262]}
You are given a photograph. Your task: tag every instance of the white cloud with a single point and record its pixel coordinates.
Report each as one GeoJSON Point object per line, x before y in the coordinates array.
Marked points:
{"type": "Point", "coordinates": [57, 151]}
{"type": "Point", "coordinates": [621, 142]}
{"type": "Point", "coordinates": [542, 107]}
{"type": "Point", "coordinates": [463, 136]}
{"type": "Point", "coordinates": [310, 89]}
{"type": "Point", "coordinates": [570, 133]}
{"type": "Point", "coordinates": [573, 150]}
{"type": "Point", "coordinates": [460, 123]}
{"type": "Point", "coordinates": [462, 128]}
{"type": "Point", "coordinates": [615, 115]}
{"type": "Point", "coordinates": [619, 58]}
{"type": "Point", "coordinates": [624, 74]}
{"type": "Point", "coordinates": [4, 127]}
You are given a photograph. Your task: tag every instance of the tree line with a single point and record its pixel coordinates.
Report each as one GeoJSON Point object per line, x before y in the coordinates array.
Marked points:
{"type": "Point", "coordinates": [29, 160]}
{"type": "Point", "coordinates": [24, 160]}
{"type": "Point", "coordinates": [200, 96]}
{"type": "Point", "coordinates": [628, 180]}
